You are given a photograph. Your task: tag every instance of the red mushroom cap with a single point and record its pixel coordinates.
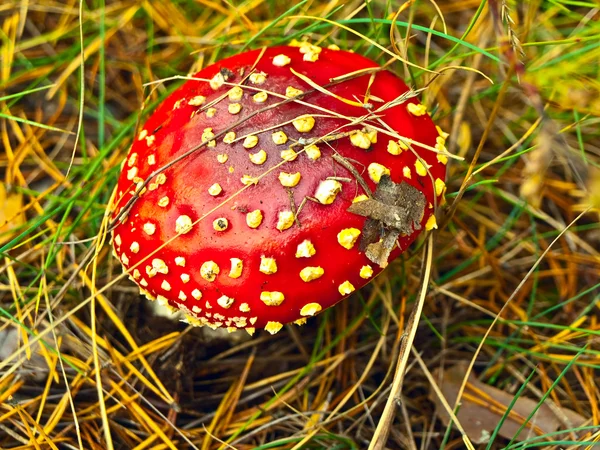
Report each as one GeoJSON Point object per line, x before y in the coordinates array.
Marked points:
{"type": "Point", "coordinates": [274, 185]}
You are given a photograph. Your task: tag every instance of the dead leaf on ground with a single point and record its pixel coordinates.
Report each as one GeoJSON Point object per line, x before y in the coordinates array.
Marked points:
{"type": "Point", "coordinates": [483, 406]}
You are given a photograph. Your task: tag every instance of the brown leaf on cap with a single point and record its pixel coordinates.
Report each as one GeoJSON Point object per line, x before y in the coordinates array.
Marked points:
{"type": "Point", "coordinates": [482, 407]}
{"type": "Point", "coordinates": [396, 208]}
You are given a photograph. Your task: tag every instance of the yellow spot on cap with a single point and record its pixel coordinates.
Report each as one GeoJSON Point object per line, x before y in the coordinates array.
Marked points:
{"type": "Point", "coordinates": [273, 327]}
{"type": "Point", "coordinates": [210, 112]}
{"type": "Point", "coordinates": [150, 140]}
{"type": "Point", "coordinates": [376, 171]}
{"type": "Point", "coordinates": [360, 139]}
{"type": "Point", "coordinates": [327, 191]}
{"type": "Point", "coordinates": [285, 219]}
{"type": "Point", "coordinates": [420, 168]}
{"type": "Point", "coordinates": [237, 265]}
{"type": "Point", "coordinates": [250, 141]}
{"type": "Point", "coordinates": [281, 60]}
{"type": "Point", "coordinates": [254, 218]}
{"type": "Point", "coordinates": [131, 173]}
{"type": "Point", "coordinates": [372, 135]}
{"type": "Point", "coordinates": [347, 237]}
{"type": "Point", "coordinates": [310, 309]}
{"type": "Point", "coordinates": [279, 137]}
{"type": "Point", "coordinates": [220, 224]}
{"type": "Point", "coordinates": [311, 273]}
{"type": "Point", "coordinates": [197, 295]}
{"type": "Point", "coordinates": [442, 158]}
{"type": "Point", "coordinates": [215, 189]}
{"type": "Point", "coordinates": [431, 223]}
{"type": "Point", "coordinates": [268, 265]}
{"type": "Point", "coordinates": [442, 133]}
{"type": "Point", "coordinates": [300, 322]}
{"type": "Point", "coordinates": [234, 108]}
{"type": "Point", "coordinates": [161, 178]}
{"type": "Point", "coordinates": [304, 124]}
{"type": "Point", "coordinates": [183, 224]}
{"type": "Point", "coordinates": [396, 147]}
{"type": "Point", "coordinates": [366, 272]}
{"type": "Point", "coordinates": [142, 134]}
{"type": "Point", "coordinates": [150, 271]}
{"type": "Point", "coordinates": [440, 186]}
{"type": "Point", "coordinates": [310, 51]}
{"type": "Point", "coordinates": [289, 179]}
{"type": "Point", "coordinates": [217, 81]}
{"type": "Point", "coordinates": [134, 247]}
{"type": "Point", "coordinates": [248, 180]}
{"type": "Point", "coordinates": [235, 93]}
{"type": "Point", "coordinates": [132, 159]}
{"type": "Point", "coordinates": [416, 109]}
{"type": "Point", "coordinates": [165, 285]}
{"type": "Point", "coordinates": [258, 158]}
{"type": "Point", "coordinates": [225, 302]}
{"type": "Point", "coordinates": [164, 201]}
{"type": "Point", "coordinates": [289, 154]}
{"type": "Point", "coordinates": [333, 47]}
{"type": "Point", "coordinates": [360, 198]}
{"type": "Point", "coordinates": [305, 249]}
{"type": "Point", "coordinates": [149, 228]}
{"type": "Point", "coordinates": [274, 298]}
{"type": "Point", "coordinates": [185, 277]}
{"type": "Point", "coordinates": [197, 100]}
{"type": "Point", "coordinates": [222, 158]}
{"type": "Point", "coordinates": [229, 137]}
{"type": "Point", "coordinates": [208, 135]}
{"type": "Point", "coordinates": [180, 261]}
{"type": "Point", "coordinates": [260, 97]}
{"type": "Point", "coordinates": [313, 152]}
{"type": "Point", "coordinates": [250, 330]}
{"type": "Point", "coordinates": [406, 172]}
{"type": "Point", "coordinates": [209, 271]}
{"type": "Point", "coordinates": [151, 159]}
{"type": "Point", "coordinates": [160, 266]}
{"type": "Point", "coordinates": [244, 307]}
{"type": "Point", "coordinates": [310, 56]}
{"type": "Point", "coordinates": [257, 77]}
{"type": "Point", "coordinates": [346, 288]}
{"type": "Point", "coordinates": [292, 92]}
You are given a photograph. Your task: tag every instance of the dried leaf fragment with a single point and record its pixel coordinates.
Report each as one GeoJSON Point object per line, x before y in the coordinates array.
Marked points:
{"type": "Point", "coordinates": [482, 407]}
{"type": "Point", "coordinates": [396, 208]}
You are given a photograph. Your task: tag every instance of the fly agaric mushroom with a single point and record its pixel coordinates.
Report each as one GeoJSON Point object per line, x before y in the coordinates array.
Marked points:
{"type": "Point", "coordinates": [274, 184]}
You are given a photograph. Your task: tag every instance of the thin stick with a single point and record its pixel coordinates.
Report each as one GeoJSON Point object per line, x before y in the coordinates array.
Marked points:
{"type": "Point", "coordinates": [387, 418]}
